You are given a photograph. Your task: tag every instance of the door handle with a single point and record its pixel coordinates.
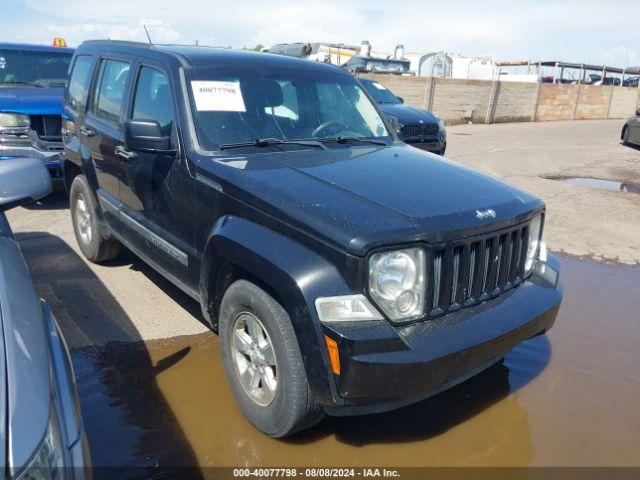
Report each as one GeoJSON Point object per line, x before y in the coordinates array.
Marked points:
{"type": "Point", "coordinates": [87, 132]}
{"type": "Point", "coordinates": [124, 153]}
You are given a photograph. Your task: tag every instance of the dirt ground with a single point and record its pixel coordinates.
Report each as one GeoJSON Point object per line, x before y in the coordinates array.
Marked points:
{"type": "Point", "coordinates": [581, 221]}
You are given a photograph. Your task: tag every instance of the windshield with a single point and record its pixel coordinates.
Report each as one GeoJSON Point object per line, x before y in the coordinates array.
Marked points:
{"type": "Point", "coordinates": [379, 92]}
{"type": "Point", "coordinates": [26, 67]}
{"type": "Point", "coordinates": [239, 105]}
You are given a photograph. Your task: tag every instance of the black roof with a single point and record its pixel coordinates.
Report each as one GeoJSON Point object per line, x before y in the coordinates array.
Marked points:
{"type": "Point", "coordinates": [199, 56]}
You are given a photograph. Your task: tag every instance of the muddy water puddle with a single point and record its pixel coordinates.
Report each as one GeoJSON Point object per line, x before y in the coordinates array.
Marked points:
{"type": "Point", "coordinates": [601, 184]}
{"type": "Point", "coordinates": [569, 398]}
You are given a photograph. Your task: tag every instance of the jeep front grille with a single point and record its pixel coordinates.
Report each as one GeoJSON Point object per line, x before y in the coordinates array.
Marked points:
{"type": "Point", "coordinates": [420, 130]}
{"type": "Point", "coordinates": [469, 272]}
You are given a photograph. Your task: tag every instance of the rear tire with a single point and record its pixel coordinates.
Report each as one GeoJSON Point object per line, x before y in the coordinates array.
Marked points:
{"type": "Point", "coordinates": [625, 136]}
{"type": "Point", "coordinates": [265, 369]}
{"type": "Point", "coordinates": [90, 235]}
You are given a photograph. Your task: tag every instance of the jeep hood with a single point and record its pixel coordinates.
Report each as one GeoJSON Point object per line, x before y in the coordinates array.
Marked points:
{"type": "Point", "coordinates": [361, 198]}
{"type": "Point", "coordinates": [31, 100]}
{"type": "Point", "coordinates": [407, 114]}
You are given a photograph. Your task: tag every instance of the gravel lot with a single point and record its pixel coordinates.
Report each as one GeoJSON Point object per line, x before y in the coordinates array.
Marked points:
{"type": "Point", "coordinates": [132, 302]}
{"type": "Point", "coordinates": [581, 221]}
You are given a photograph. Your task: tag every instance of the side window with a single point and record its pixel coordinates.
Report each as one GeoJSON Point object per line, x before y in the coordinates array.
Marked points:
{"type": "Point", "coordinates": [79, 82]}
{"type": "Point", "coordinates": [152, 100]}
{"type": "Point", "coordinates": [107, 103]}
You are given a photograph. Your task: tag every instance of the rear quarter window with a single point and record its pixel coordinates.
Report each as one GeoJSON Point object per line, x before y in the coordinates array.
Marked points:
{"type": "Point", "coordinates": [79, 81]}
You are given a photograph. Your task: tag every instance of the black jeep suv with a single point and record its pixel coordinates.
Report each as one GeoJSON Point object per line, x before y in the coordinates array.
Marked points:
{"type": "Point", "coordinates": [345, 271]}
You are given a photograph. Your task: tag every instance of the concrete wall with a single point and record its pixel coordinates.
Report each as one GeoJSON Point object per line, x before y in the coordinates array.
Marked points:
{"type": "Point", "coordinates": [458, 101]}
{"type": "Point", "coordinates": [515, 102]}
{"type": "Point", "coordinates": [624, 101]}
{"type": "Point", "coordinates": [593, 102]}
{"type": "Point", "coordinates": [556, 102]}
{"type": "Point", "coordinates": [481, 101]}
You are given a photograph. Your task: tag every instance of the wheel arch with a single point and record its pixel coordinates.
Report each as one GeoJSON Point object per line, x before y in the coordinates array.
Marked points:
{"type": "Point", "coordinates": [70, 170]}
{"type": "Point", "coordinates": [290, 272]}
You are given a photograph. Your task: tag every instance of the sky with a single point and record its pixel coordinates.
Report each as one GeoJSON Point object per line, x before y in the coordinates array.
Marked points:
{"type": "Point", "coordinates": [581, 31]}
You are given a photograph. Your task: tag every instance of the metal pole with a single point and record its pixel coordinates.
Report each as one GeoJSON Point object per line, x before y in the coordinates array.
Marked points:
{"type": "Point", "coordinates": [575, 107]}
{"type": "Point", "coordinates": [493, 100]}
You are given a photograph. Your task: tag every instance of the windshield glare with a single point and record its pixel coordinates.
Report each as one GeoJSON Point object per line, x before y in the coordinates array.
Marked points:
{"type": "Point", "coordinates": [379, 92]}
{"type": "Point", "coordinates": [243, 105]}
{"type": "Point", "coordinates": [45, 69]}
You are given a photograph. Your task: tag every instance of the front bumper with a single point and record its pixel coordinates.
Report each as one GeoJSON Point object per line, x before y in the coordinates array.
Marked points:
{"type": "Point", "coordinates": [385, 367]}
{"type": "Point", "coordinates": [51, 159]}
{"type": "Point", "coordinates": [436, 145]}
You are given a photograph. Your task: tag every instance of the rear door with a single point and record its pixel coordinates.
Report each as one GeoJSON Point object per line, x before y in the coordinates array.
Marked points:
{"type": "Point", "coordinates": [74, 106]}
{"type": "Point", "coordinates": [102, 130]}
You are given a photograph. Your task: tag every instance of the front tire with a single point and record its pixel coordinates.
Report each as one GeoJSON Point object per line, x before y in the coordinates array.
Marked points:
{"type": "Point", "coordinates": [90, 235]}
{"type": "Point", "coordinates": [263, 362]}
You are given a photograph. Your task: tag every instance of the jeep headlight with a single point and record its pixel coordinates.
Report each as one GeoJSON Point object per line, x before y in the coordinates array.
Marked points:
{"type": "Point", "coordinates": [14, 120]}
{"type": "Point", "coordinates": [396, 282]}
{"type": "Point", "coordinates": [440, 124]}
{"type": "Point", "coordinates": [533, 244]}
{"type": "Point", "coordinates": [47, 462]}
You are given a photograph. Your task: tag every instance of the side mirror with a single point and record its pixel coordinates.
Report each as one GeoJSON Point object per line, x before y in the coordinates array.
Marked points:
{"type": "Point", "coordinates": [638, 112]}
{"type": "Point", "coordinates": [400, 98]}
{"type": "Point", "coordinates": [22, 180]}
{"type": "Point", "coordinates": [145, 136]}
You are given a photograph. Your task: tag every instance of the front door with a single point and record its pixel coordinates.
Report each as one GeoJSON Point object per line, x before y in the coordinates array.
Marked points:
{"type": "Point", "coordinates": [102, 131]}
{"type": "Point", "coordinates": [157, 191]}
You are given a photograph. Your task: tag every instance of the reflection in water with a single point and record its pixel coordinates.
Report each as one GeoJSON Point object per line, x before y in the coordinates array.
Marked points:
{"type": "Point", "coordinates": [569, 398]}
{"type": "Point", "coordinates": [127, 419]}
{"type": "Point", "coordinates": [429, 432]}
{"type": "Point", "coordinates": [609, 185]}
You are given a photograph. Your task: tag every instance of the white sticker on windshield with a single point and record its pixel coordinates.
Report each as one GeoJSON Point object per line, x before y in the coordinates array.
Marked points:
{"type": "Point", "coordinates": [379, 86]}
{"type": "Point", "coordinates": [218, 96]}
{"type": "Point", "coordinates": [3, 63]}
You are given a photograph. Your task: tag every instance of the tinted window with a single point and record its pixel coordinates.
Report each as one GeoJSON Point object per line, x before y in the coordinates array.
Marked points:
{"type": "Point", "coordinates": [379, 92]}
{"type": "Point", "coordinates": [110, 90]}
{"type": "Point", "coordinates": [26, 67]}
{"type": "Point", "coordinates": [153, 99]}
{"type": "Point", "coordinates": [79, 82]}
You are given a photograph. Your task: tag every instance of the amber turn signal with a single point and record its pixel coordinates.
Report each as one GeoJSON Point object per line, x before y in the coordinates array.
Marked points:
{"type": "Point", "coordinates": [334, 355]}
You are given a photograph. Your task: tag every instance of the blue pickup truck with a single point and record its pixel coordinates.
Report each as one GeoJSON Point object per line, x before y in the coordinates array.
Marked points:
{"type": "Point", "coordinates": [32, 80]}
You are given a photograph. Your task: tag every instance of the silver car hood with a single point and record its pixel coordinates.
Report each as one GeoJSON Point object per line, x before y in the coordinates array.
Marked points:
{"type": "Point", "coordinates": [25, 377]}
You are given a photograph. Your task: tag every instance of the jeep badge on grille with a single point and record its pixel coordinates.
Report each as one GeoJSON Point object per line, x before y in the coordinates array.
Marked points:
{"type": "Point", "coordinates": [482, 214]}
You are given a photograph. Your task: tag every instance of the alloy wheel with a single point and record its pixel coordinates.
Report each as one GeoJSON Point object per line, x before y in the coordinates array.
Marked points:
{"type": "Point", "coordinates": [254, 359]}
{"type": "Point", "coordinates": [83, 219]}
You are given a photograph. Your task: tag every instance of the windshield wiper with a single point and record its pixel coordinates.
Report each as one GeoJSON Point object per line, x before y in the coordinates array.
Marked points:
{"type": "Point", "coordinates": [267, 142]}
{"type": "Point", "coordinates": [31, 84]}
{"type": "Point", "coordinates": [343, 140]}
